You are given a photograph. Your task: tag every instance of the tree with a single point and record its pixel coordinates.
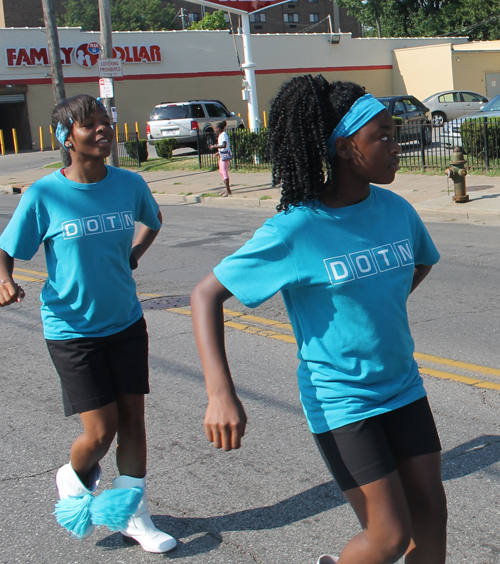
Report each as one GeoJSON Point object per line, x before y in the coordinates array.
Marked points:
{"type": "Point", "coordinates": [425, 18]}
{"type": "Point", "coordinates": [216, 20]}
{"type": "Point", "coordinates": [126, 15]}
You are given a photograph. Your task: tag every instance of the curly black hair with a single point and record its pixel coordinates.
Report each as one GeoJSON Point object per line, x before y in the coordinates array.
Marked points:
{"type": "Point", "coordinates": [77, 108]}
{"type": "Point", "coordinates": [303, 115]}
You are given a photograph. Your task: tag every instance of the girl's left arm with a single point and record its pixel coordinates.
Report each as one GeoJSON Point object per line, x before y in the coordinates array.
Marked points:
{"type": "Point", "coordinates": [420, 272]}
{"type": "Point", "coordinates": [143, 241]}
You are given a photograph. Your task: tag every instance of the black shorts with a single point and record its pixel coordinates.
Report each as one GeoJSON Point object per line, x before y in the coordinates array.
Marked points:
{"type": "Point", "coordinates": [94, 370]}
{"type": "Point", "coordinates": [366, 451]}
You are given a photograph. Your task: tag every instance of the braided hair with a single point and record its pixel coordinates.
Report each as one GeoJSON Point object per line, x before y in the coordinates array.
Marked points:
{"type": "Point", "coordinates": [303, 115]}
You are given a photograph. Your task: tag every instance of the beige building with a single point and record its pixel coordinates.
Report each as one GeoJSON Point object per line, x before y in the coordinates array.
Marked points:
{"type": "Point", "coordinates": [182, 65]}
{"type": "Point", "coordinates": [422, 71]}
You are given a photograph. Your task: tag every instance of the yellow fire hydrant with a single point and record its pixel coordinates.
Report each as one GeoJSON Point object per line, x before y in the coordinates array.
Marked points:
{"type": "Point", "coordinates": [457, 172]}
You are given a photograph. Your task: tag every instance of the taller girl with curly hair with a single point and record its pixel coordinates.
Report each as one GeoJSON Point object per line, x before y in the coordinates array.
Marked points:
{"type": "Point", "coordinates": [345, 255]}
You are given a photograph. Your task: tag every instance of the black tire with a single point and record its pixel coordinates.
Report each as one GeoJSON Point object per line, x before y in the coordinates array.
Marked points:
{"type": "Point", "coordinates": [427, 135]}
{"type": "Point", "coordinates": [438, 119]}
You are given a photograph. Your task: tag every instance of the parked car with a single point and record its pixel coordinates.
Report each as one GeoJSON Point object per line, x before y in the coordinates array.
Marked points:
{"type": "Point", "coordinates": [452, 104]}
{"type": "Point", "coordinates": [416, 118]}
{"type": "Point", "coordinates": [450, 133]}
{"type": "Point", "coordinates": [182, 121]}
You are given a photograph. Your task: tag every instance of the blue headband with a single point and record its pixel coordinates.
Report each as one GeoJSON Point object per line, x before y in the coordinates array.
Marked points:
{"type": "Point", "coordinates": [360, 113]}
{"type": "Point", "coordinates": [62, 132]}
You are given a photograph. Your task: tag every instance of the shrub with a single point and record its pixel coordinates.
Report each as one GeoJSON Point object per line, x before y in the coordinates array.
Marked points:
{"type": "Point", "coordinates": [164, 148]}
{"type": "Point", "coordinates": [131, 148]}
{"type": "Point", "coordinates": [473, 133]}
{"type": "Point", "coordinates": [251, 146]}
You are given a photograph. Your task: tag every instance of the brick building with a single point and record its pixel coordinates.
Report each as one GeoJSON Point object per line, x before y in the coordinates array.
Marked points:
{"type": "Point", "coordinates": [315, 16]}
{"type": "Point", "coordinates": [24, 13]}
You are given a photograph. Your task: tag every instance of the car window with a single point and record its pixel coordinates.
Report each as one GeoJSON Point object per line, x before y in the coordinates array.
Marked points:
{"type": "Point", "coordinates": [386, 103]}
{"type": "Point", "coordinates": [470, 97]}
{"type": "Point", "coordinates": [172, 111]}
{"type": "Point", "coordinates": [214, 111]}
{"type": "Point", "coordinates": [494, 105]}
{"type": "Point", "coordinates": [447, 98]}
{"type": "Point", "coordinates": [399, 107]}
{"type": "Point", "coordinates": [197, 111]}
{"type": "Point", "coordinates": [412, 105]}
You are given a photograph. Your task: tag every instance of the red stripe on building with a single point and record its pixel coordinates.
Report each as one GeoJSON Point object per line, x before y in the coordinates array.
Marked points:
{"type": "Point", "coordinates": [81, 79]}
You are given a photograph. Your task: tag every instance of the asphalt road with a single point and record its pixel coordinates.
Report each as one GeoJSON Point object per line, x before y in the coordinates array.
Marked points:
{"type": "Point", "coordinates": [272, 502]}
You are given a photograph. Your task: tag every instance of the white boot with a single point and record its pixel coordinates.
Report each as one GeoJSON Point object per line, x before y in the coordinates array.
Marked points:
{"type": "Point", "coordinates": [69, 485]}
{"type": "Point", "coordinates": [140, 527]}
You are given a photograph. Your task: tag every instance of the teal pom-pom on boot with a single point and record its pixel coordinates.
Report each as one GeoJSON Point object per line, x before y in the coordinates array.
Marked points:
{"type": "Point", "coordinates": [72, 510]}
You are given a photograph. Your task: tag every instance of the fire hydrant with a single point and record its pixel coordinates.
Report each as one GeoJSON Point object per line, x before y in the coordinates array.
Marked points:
{"type": "Point", "coordinates": [457, 172]}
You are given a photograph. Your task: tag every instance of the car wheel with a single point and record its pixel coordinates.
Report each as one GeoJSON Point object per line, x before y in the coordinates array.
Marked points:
{"type": "Point", "coordinates": [438, 119]}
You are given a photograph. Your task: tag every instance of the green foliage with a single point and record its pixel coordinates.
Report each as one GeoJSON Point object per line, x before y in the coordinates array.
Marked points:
{"type": "Point", "coordinates": [131, 148]}
{"type": "Point", "coordinates": [211, 21]}
{"type": "Point", "coordinates": [250, 146]}
{"type": "Point", "coordinates": [473, 137]}
{"type": "Point", "coordinates": [425, 18]}
{"type": "Point", "coordinates": [126, 15]}
{"type": "Point", "coordinates": [164, 148]}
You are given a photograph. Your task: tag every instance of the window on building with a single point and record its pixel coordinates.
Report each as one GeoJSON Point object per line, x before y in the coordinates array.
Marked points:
{"type": "Point", "coordinates": [310, 1]}
{"type": "Point", "coordinates": [291, 18]}
{"type": "Point", "coordinates": [226, 17]}
{"type": "Point", "coordinates": [258, 18]}
{"type": "Point", "coordinates": [314, 18]}
{"type": "Point", "coordinates": [193, 17]}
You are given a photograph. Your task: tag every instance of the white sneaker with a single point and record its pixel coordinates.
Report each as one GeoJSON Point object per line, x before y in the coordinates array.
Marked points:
{"type": "Point", "coordinates": [140, 528]}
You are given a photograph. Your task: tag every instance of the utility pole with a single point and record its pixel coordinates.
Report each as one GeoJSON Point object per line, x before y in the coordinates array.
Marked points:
{"type": "Point", "coordinates": [107, 53]}
{"type": "Point", "coordinates": [56, 71]}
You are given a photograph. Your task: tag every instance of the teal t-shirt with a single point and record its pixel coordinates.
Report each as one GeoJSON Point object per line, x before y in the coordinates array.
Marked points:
{"type": "Point", "coordinates": [345, 275]}
{"type": "Point", "coordinates": [87, 231]}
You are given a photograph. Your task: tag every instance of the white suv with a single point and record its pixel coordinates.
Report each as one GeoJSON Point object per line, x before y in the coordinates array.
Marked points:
{"type": "Point", "coordinates": [182, 121]}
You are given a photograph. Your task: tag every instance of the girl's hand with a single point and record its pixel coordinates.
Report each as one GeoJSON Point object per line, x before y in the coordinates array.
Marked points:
{"type": "Point", "coordinates": [225, 421]}
{"type": "Point", "coordinates": [10, 293]}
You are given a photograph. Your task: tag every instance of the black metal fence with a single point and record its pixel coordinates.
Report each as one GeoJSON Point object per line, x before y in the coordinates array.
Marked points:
{"type": "Point", "coordinates": [423, 147]}
{"type": "Point", "coordinates": [249, 149]}
{"type": "Point", "coordinates": [129, 150]}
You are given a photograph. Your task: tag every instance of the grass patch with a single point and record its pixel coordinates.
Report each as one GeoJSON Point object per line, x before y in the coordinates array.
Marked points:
{"type": "Point", "coordinates": [210, 195]}
{"type": "Point", "coordinates": [54, 165]}
{"type": "Point", "coordinates": [265, 198]}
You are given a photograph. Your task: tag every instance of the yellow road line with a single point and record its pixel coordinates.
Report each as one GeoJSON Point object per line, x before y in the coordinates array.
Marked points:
{"type": "Point", "coordinates": [28, 278]}
{"type": "Point", "coordinates": [41, 274]}
{"type": "Point", "coordinates": [458, 364]}
{"type": "Point", "coordinates": [477, 382]}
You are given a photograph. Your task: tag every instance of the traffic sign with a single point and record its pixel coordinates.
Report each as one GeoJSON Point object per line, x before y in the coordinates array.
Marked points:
{"type": "Point", "coordinates": [106, 89]}
{"type": "Point", "coordinates": [110, 67]}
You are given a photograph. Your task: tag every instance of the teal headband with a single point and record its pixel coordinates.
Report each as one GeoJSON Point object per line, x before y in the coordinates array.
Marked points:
{"type": "Point", "coordinates": [359, 114]}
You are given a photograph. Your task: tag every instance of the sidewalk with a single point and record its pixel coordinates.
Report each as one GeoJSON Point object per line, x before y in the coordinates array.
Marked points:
{"type": "Point", "coordinates": [428, 194]}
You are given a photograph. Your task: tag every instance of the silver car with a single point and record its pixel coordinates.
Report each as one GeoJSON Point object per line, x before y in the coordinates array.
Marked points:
{"type": "Point", "coordinates": [183, 120]}
{"type": "Point", "coordinates": [450, 135]}
{"type": "Point", "coordinates": [452, 104]}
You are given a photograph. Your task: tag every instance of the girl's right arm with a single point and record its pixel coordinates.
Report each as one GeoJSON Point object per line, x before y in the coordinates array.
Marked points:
{"type": "Point", "coordinates": [10, 292]}
{"type": "Point", "coordinates": [225, 419]}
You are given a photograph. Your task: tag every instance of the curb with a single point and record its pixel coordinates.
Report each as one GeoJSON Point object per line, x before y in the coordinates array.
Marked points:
{"type": "Point", "coordinates": [232, 201]}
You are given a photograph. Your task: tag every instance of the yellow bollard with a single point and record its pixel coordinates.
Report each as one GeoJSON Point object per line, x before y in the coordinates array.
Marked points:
{"type": "Point", "coordinates": [2, 142]}
{"type": "Point", "coordinates": [16, 146]}
{"type": "Point", "coordinates": [125, 126]}
{"type": "Point", "coordinates": [137, 130]}
{"type": "Point", "coordinates": [52, 138]}
{"type": "Point", "coordinates": [40, 129]}
{"type": "Point", "coordinates": [264, 115]}
{"type": "Point", "coordinates": [116, 132]}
